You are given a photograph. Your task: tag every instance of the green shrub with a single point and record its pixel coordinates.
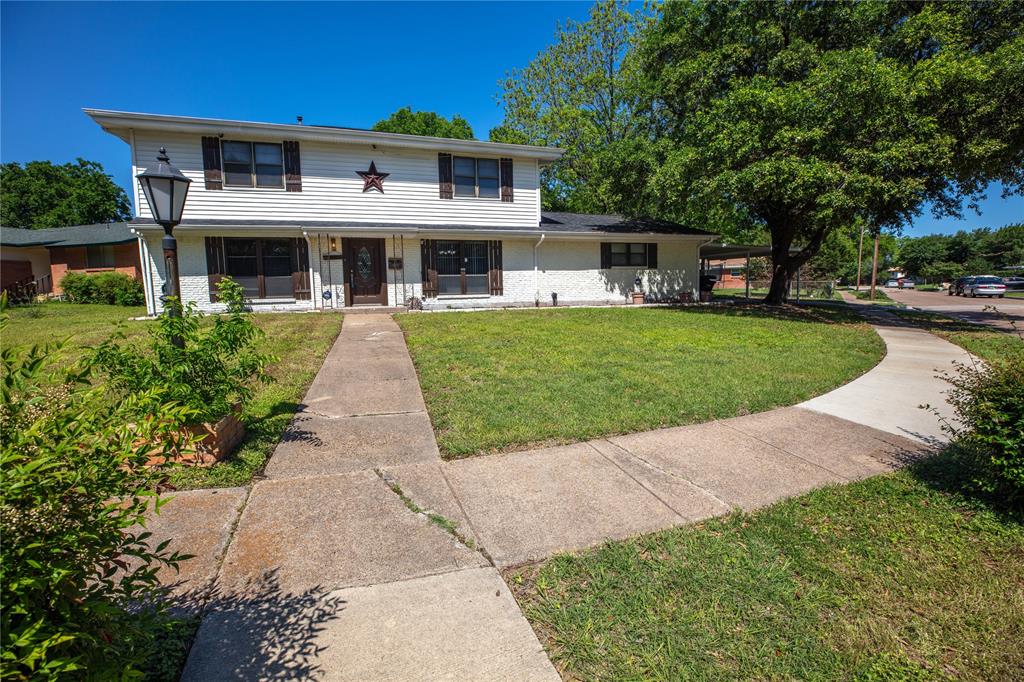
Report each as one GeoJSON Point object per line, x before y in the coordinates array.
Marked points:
{"type": "Point", "coordinates": [990, 411]}
{"type": "Point", "coordinates": [112, 288]}
{"type": "Point", "coordinates": [79, 287]}
{"type": "Point", "coordinates": [215, 367]}
{"type": "Point", "coordinates": [77, 577]}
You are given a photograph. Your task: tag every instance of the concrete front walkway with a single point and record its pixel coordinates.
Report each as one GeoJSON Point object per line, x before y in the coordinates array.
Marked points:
{"type": "Point", "coordinates": [330, 575]}
{"type": "Point", "coordinates": [335, 571]}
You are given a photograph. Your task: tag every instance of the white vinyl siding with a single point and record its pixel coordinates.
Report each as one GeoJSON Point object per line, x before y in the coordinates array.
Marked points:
{"type": "Point", "coordinates": [331, 190]}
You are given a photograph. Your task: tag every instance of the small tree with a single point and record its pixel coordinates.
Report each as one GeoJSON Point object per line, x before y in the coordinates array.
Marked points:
{"type": "Point", "coordinates": [78, 577]}
{"type": "Point", "coordinates": [216, 367]}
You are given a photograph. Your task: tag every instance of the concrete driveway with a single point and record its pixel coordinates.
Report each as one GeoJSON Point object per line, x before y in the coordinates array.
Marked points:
{"type": "Point", "coordinates": [967, 309]}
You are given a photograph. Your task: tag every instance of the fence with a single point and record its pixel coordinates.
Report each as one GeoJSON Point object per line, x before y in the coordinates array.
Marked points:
{"type": "Point", "coordinates": [814, 290]}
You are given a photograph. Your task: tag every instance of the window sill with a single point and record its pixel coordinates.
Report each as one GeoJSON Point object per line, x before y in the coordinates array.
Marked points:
{"type": "Point", "coordinates": [243, 188]}
{"type": "Point", "coordinates": [459, 297]}
{"type": "Point", "coordinates": [260, 301]}
{"type": "Point", "coordinates": [110, 269]}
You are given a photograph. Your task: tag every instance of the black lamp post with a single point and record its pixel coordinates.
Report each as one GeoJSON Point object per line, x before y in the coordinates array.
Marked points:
{"type": "Point", "coordinates": [165, 188]}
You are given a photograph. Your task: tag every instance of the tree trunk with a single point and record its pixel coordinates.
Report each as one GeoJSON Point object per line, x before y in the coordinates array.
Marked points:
{"type": "Point", "coordinates": [784, 263]}
{"type": "Point", "coordinates": [782, 271]}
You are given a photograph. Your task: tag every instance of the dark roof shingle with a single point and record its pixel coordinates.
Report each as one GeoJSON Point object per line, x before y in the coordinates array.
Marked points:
{"type": "Point", "coordinates": [78, 235]}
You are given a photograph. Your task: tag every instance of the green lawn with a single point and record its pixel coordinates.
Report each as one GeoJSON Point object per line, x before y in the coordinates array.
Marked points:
{"type": "Point", "coordinates": [758, 293]}
{"type": "Point", "coordinates": [881, 298]}
{"type": "Point", "coordinates": [502, 380]}
{"type": "Point", "coordinates": [893, 578]}
{"type": "Point", "coordinates": [300, 341]}
{"type": "Point", "coordinates": [1015, 294]}
{"type": "Point", "coordinates": [988, 344]}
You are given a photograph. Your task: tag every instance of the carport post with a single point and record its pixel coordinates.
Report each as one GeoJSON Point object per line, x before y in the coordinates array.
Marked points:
{"type": "Point", "coordinates": [798, 284]}
{"type": "Point", "coordinates": [746, 274]}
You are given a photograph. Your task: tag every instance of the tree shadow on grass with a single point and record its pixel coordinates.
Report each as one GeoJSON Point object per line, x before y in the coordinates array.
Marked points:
{"type": "Point", "coordinates": [827, 314]}
{"type": "Point", "coordinates": [950, 471]}
{"type": "Point", "coordinates": [258, 631]}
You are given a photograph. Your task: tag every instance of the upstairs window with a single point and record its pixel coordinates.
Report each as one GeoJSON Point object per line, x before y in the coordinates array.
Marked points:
{"type": "Point", "coordinates": [253, 164]}
{"type": "Point", "coordinates": [99, 256]}
{"type": "Point", "coordinates": [476, 177]}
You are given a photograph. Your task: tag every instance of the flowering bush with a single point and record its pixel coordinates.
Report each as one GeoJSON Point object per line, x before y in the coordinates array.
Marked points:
{"type": "Point", "coordinates": [215, 367]}
{"type": "Point", "coordinates": [77, 577]}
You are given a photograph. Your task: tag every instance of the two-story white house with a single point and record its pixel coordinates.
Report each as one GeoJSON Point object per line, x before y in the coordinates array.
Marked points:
{"type": "Point", "coordinates": [319, 217]}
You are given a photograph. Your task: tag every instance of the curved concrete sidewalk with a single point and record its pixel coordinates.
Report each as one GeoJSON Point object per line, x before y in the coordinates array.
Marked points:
{"type": "Point", "coordinates": [335, 570]}
{"type": "Point", "coordinates": [889, 396]}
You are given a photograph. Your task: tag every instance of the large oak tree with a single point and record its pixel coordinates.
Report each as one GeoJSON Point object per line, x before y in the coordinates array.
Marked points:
{"type": "Point", "coordinates": [806, 116]}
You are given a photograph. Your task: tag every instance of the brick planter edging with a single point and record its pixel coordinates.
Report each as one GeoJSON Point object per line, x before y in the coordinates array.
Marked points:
{"type": "Point", "coordinates": [213, 441]}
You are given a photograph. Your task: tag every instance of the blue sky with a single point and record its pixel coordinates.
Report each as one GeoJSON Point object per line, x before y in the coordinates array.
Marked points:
{"type": "Point", "coordinates": [340, 64]}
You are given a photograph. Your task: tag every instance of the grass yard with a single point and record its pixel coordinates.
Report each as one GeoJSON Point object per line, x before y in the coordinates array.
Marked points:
{"type": "Point", "coordinates": [881, 298]}
{"type": "Point", "coordinates": [897, 577]}
{"type": "Point", "coordinates": [988, 344]}
{"type": "Point", "coordinates": [300, 341]}
{"type": "Point", "coordinates": [759, 293]}
{"type": "Point", "coordinates": [502, 380]}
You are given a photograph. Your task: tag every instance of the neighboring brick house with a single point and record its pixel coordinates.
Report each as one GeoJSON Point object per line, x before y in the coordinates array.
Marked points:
{"type": "Point", "coordinates": [314, 217]}
{"type": "Point", "coordinates": [47, 255]}
{"type": "Point", "coordinates": [730, 273]}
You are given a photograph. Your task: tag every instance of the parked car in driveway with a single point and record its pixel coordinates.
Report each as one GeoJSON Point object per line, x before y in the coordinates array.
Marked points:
{"type": "Point", "coordinates": [957, 287]}
{"type": "Point", "coordinates": [1014, 283]}
{"type": "Point", "coordinates": [986, 285]}
{"type": "Point", "coordinates": [906, 283]}
{"type": "Point", "coordinates": [892, 284]}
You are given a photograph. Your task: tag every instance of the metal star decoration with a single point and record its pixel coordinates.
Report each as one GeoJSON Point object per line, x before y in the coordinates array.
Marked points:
{"type": "Point", "coordinates": [372, 179]}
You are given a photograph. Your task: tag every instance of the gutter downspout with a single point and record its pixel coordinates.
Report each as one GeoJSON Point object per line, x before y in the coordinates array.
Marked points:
{"type": "Point", "coordinates": [147, 279]}
{"type": "Point", "coordinates": [309, 250]}
{"type": "Point", "coordinates": [536, 272]}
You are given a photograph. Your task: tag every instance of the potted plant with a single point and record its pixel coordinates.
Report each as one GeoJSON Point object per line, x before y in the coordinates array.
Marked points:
{"type": "Point", "coordinates": [212, 372]}
{"type": "Point", "coordinates": [638, 292]}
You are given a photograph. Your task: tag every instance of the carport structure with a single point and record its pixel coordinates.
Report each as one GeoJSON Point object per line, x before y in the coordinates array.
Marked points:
{"type": "Point", "coordinates": [710, 252]}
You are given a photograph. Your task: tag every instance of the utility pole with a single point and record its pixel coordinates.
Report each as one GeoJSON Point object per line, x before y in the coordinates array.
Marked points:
{"type": "Point", "coordinates": [860, 250]}
{"type": "Point", "coordinates": [874, 267]}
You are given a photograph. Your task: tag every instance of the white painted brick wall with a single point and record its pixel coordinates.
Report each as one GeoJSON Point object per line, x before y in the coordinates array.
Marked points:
{"type": "Point", "coordinates": [567, 267]}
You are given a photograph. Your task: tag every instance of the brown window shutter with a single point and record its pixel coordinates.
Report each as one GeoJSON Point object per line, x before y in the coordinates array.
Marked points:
{"type": "Point", "coordinates": [652, 256]}
{"type": "Point", "coordinates": [428, 266]}
{"type": "Point", "coordinates": [300, 269]}
{"type": "Point", "coordinates": [444, 175]}
{"type": "Point", "coordinates": [606, 255]}
{"type": "Point", "coordinates": [292, 166]}
{"type": "Point", "coordinates": [494, 269]}
{"type": "Point", "coordinates": [216, 266]}
{"type": "Point", "coordinates": [212, 172]}
{"type": "Point", "coordinates": [506, 180]}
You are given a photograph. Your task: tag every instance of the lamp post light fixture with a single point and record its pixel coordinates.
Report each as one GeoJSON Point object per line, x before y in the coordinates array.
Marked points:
{"type": "Point", "coordinates": [165, 188]}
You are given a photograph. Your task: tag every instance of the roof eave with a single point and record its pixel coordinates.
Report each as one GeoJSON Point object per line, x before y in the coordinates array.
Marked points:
{"type": "Point", "coordinates": [119, 123]}
{"type": "Point", "coordinates": [412, 230]}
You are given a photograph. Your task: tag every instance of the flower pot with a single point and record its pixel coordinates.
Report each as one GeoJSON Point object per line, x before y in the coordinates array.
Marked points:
{"type": "Point", "coordinates": [638, 298]}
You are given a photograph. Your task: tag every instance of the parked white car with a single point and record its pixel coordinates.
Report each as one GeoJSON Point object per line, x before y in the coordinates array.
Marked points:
{"type": "Point", "coordinates": [892, 284]}
{"type": "Point", "coordinates": [985, 285]}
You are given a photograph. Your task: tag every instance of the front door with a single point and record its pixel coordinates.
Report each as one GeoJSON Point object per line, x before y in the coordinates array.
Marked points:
{"type": "Point", "coordinates": [366, 275]}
